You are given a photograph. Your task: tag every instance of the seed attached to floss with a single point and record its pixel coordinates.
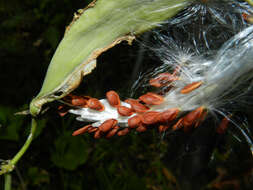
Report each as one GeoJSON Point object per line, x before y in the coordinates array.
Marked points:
{"type": "Point", "coordinates": [82, 130]}
{"type": "Point", "coordinates": [113, 98]}
{"type": "Point", "coordinates": [95, 104]}
{"type": "Point", "coordinates": [134, 121]}
{"type": "Point", "coordinates": [137, 106]}
{"type": "Point", "coordinates": [150, 117]}
{"type": "Point", "coordinates": [190, 87]}
{"type": "Point", "coordinates": [162, 79]}
{"type": "Point", "coordinates": [123, 132]}
{"type": "Point", "coordinates": [151, 98]}
{"type": "Point", "coordinates": [124, 111]}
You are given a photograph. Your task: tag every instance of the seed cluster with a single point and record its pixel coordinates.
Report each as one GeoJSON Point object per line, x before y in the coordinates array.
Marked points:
{"type": "Point", "coordinates": [139, 114]}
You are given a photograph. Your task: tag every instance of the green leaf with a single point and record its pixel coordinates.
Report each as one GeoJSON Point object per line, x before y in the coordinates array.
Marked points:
{"type": "Point", "coordinates": [70, 152]}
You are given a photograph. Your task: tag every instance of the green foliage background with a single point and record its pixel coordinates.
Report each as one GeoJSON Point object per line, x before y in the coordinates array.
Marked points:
{"type": "Point", "coordinates": [29, 34]}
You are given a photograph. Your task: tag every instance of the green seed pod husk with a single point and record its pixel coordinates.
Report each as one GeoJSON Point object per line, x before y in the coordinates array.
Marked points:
{"type": "Point", "coordinates": [99, 27]}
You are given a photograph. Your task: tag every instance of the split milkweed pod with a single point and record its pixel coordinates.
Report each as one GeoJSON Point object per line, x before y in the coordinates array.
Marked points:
{"type": "Point", "coordinates": [81, 130]}
{"type": "Point", "coordinates": [137, 106]}
{"type": "Point", "coordinates": [150, 117]}
{"type": "Point", "coordinates": [190, 87]}
{"type": "Point", "coordinates": [123, 132]}
{"type": "Point", "coordinates": [113, 98]}
{"type": "Point", "coordinates": [134, 121]}
{"type": "Point", "coordinates": [151, 98]}
{"type": "Point", "coordinates": [107, 125]}
{"type": "Point", "coordinates": [76, 54]}
{"type": "Point", "coordinates": [95, 104]}
{"type": "Point", "coordinates": [74, 59]}
{"type": "Point", "coordinates": [124, 111]}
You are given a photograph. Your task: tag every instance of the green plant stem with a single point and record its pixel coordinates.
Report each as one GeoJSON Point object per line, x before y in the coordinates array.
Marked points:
{"type": "Point", "coordinates": [7, 181]}
{"type": "Point", "coordinates": [27, 143]}
{"type": "Point", "coordinates": [9, 166]}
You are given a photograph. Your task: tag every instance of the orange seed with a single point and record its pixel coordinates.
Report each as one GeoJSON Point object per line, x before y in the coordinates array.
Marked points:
{"type": "Point", "coordinates": [190, 87]}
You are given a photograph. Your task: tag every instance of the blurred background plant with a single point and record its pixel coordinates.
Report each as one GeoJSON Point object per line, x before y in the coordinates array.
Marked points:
{"type": "Point", "coordinates": [29, 33]}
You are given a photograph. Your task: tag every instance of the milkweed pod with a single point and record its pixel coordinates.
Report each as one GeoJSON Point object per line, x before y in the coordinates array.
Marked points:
{"type": "Point", "coordinates": [92, 33]}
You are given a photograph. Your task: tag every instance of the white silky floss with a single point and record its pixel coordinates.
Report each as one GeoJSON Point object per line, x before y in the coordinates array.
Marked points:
{"type": "Point", "coordinates": [110, 112]}
{"type": "Point", "coordinates": [222, 79]}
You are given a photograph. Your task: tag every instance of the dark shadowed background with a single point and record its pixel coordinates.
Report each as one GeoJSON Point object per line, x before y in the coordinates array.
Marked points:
{"type": "Point", "coordinates": [29, 34]}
